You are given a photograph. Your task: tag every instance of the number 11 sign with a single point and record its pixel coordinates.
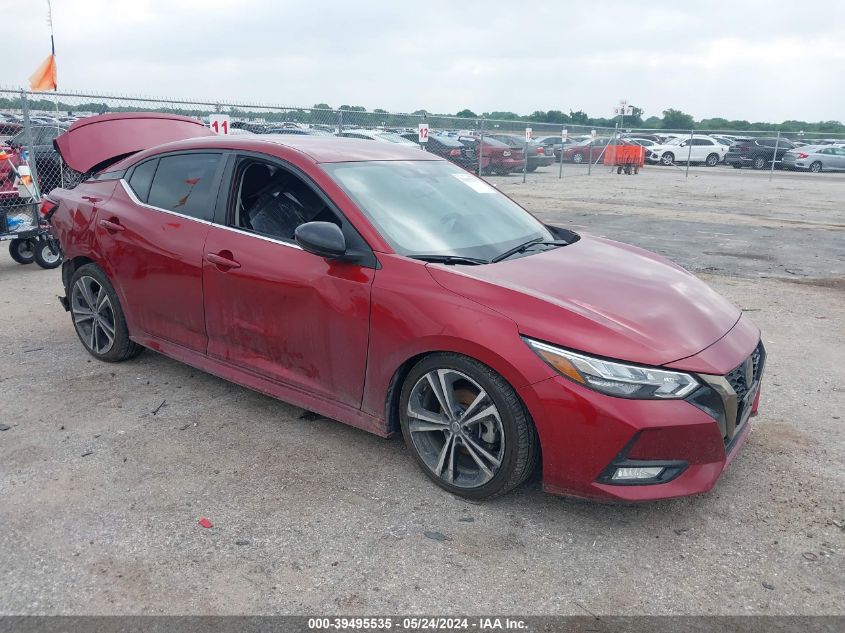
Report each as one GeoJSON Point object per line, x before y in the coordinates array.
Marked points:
{"type": "Point", "coordinates": [219, 123]}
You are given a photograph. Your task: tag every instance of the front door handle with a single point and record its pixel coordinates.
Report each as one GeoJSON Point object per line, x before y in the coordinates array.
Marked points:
{"type": "Point", "coordinates": [222, 261]}
{"type": "Point", "coordinates": [112, 225]}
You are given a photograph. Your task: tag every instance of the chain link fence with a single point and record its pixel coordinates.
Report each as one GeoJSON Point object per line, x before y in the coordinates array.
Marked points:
{"type": "Point", "coordinates": [531, 151]}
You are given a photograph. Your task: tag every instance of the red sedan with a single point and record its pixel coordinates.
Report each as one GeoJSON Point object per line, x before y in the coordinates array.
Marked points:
{"type": "Point", "coordinates": [391, 290]}
{"type": "Point", "coordinates": [591, 151]}
{"type": "Point", "coordinates": [497, 158]}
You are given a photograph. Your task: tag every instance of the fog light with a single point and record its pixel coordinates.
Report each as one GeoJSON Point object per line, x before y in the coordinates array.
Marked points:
{"type": "Point", "coordinates": [633, 473]}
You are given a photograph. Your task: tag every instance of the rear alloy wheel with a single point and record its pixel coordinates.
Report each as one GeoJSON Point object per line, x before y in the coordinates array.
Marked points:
{"type": "Point", "coordinates": [759, 162]}
{"type": "Point", "coordinates": [48, 254]}
{"type": "Point", "coordinates": [815, 167]}
{"type": "Point", "coordinates": [466, 427]}
{"type": "Point", "coordinates": [98, 317]}
{"type": "Point", "coordinates": [22, 251]}
{"type": "Point", "coordinates": [712, 160]}
{"type": "Point", "coordinates": [578, 158]}
{"type": "Point", "coordinates": [668, 159]}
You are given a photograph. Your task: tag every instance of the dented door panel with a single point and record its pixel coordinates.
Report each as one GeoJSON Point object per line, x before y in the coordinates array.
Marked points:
{"type": "Point", "coordinates": [289, 315]}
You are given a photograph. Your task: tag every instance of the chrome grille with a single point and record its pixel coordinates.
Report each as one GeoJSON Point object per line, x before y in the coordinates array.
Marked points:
{"type": "Point", "coordinates": [742, 378]}
{"type": "Point", "coordinates": [735, 391]}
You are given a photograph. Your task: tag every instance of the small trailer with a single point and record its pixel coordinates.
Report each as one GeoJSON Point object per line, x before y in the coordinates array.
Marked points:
{"type": "Point", "coordinates": [627, 158]}
{"type": "Point", "coordinates": [21, 223]}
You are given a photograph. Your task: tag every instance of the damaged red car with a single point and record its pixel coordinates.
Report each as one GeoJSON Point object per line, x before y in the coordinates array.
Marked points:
{"type": "Point", "coordinates": [391, 290]}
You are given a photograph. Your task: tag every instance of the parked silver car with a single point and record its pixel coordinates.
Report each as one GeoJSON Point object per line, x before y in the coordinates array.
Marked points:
{"type": "Point", "coordinates": [815, 158]}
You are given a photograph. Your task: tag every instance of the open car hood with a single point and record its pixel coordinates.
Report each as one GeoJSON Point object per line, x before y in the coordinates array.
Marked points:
{"type": "Point", "coordinates": [95, 142]}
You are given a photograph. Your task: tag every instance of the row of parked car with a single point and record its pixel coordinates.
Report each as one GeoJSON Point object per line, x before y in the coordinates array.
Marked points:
{"type": "Point", "coordinates": [712, 150]}
{"type": "Point", "coordinates": [501, 153]}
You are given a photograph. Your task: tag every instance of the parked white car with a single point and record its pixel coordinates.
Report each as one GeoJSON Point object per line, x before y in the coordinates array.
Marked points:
{"type": "Point", "coordinates": [698, 149]}
{"type": "Point", "coordinates": [377, 135]}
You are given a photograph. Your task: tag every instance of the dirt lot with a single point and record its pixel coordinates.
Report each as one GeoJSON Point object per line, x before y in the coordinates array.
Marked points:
{"type": "Point", "coordinates": [99, 496]}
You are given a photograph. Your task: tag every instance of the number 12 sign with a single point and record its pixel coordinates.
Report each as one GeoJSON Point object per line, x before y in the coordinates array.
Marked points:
{"type": "Point", "coordinates": [219, 123]}
{"type": "Point", "coordinates": [423, 132]}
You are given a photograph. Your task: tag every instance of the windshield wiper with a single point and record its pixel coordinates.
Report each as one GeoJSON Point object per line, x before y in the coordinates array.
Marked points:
{"type": "Point", "coordinates": [539, 241]}
{"type": "Point", "coordinates": [449, 259]}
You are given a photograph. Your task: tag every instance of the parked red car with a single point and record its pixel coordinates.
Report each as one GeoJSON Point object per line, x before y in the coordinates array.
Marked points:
{"type": "Point", "coordinates": [591, 150]}
{"type": "Point", "coordinates": [393, 291]}
{"type": "Point", "coordinates": [498, 158]}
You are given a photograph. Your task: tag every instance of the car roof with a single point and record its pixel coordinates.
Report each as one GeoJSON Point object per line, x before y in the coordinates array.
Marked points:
{"type": "Point", "coordinates": [320, 149]}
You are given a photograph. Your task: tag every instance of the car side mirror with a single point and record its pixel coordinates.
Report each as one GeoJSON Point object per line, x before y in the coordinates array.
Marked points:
{"type": "Point", "coordinates": [321, 238]}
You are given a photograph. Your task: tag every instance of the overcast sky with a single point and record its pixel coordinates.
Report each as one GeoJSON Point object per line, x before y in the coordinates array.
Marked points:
{"type": "Point", "coordinates": [744, 59]}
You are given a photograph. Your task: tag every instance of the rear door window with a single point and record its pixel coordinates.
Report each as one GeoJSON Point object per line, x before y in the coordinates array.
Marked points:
{"type": "Point", "coordinates": [186, 184]}
{"type": "Point", "coordinates": [142, 178]}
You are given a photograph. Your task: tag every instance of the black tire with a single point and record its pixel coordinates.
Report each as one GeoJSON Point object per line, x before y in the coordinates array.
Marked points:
{"type": "Point", "coordinates": [48, 254]}
{"type": "Point", "coordinates": [577, 158]}
{"type": "Point", "coordinates": [122, 348]}
{"type": "Point", "coordinates": [668, 159]}
{"type": "Point", "coordinates": [22, 251]}
{"type": "Point", "coordinates": [759, 162]}
{"type": "Point", "coordinates": [712, 160]}
{"type": "Point", "coordinates": [519, 444]}
{"type": "Point", "coordinates": [531, 168]}
{"type": "Point", "coordinates": [815, 167]}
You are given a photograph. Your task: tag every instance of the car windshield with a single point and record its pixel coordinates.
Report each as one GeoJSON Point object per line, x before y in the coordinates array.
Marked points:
{"type": "Point", "coordinates": [436, 208]}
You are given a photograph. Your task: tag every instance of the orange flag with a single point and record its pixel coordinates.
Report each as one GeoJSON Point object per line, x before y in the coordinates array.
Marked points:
{"type": "Point", "coordinates": [44, 78]}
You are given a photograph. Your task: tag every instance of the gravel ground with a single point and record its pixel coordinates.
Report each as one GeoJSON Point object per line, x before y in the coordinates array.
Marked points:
{"type": "Point", "coordinates": [102, 485]}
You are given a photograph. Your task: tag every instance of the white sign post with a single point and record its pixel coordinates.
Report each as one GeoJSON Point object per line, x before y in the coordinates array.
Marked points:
{"type": "Point", "coordinates": [219, 123]}
{"type": "Point", "coordinates": [423, 133]}
{"type": "Point", "coordinates": [623, 110]}
{"type": "Point", "coordinates": [525, 153]}
{"type": "Point", "coordinates": [593, 134]}
{"type": "Point", "coordinates": [563, 136]}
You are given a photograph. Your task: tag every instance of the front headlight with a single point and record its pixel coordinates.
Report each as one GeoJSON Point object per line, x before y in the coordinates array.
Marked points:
{"type": "Point", "coordinates": [614, 378]}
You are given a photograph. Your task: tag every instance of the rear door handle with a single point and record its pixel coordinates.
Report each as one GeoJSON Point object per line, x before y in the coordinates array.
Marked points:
{"type": "Point", "coordinates": [112, 225]}
{"type": "Point", "coordinates": [221, 261]}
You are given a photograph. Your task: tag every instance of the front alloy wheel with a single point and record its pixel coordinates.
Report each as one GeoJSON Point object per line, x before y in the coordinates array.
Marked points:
{"type": "Point", "coordinates": [466, 427]}
{"type": "Point", "coordinates": [668, 159]}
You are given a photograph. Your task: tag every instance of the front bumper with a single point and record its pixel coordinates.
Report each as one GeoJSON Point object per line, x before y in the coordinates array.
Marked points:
{"type": "Point", "coordinates": [585, 435]}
